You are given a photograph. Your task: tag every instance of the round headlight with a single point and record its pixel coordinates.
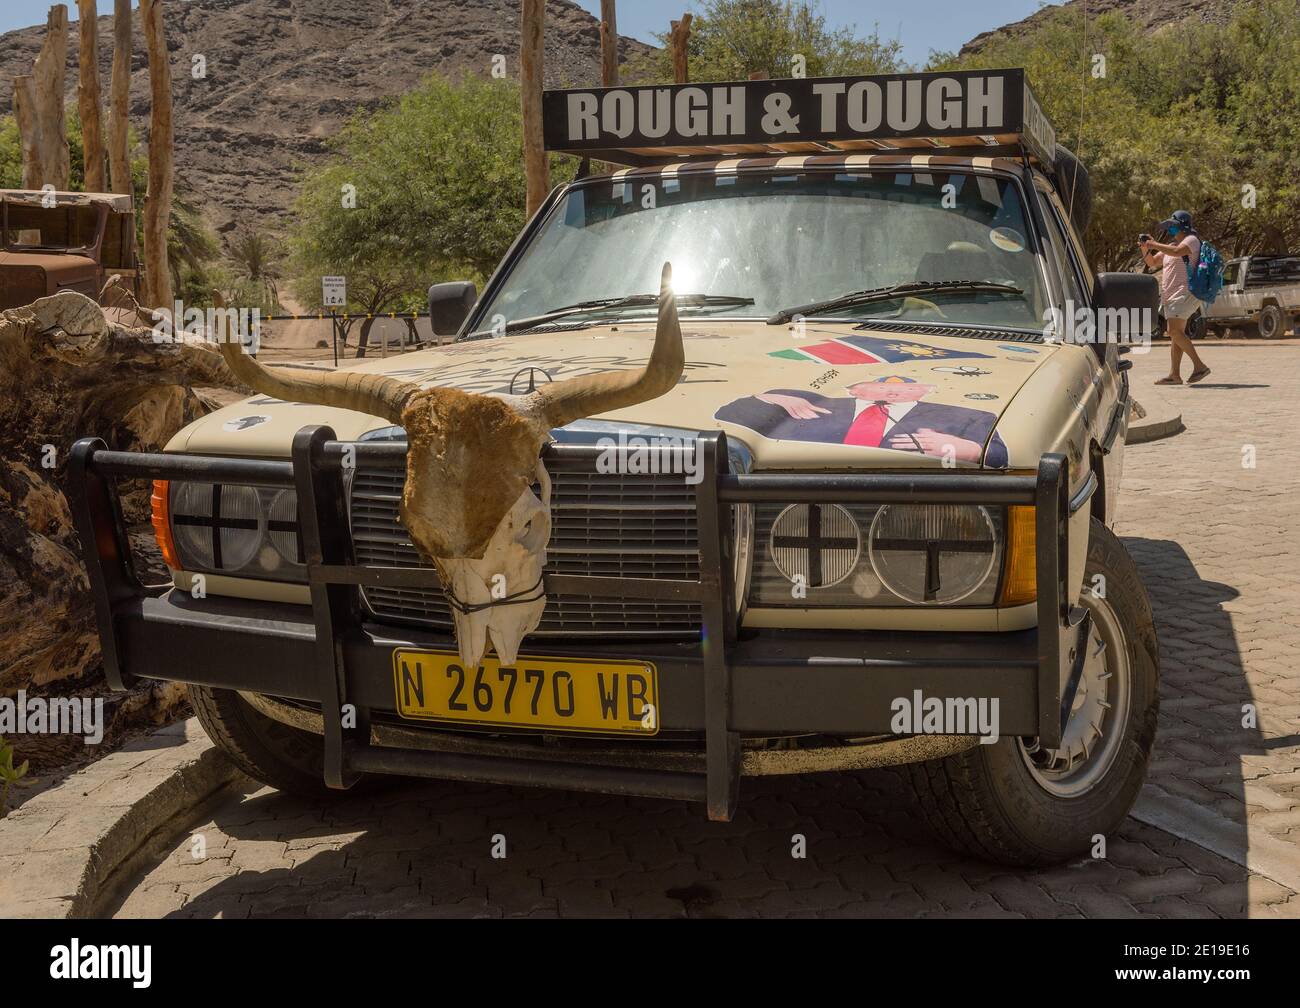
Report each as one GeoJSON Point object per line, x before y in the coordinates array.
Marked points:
{"type": "Point", "coordinates": [216, 528]}
{"type": "Point", "coordinates": [932, 554]}
{"type": "Point", "coordinates": [282, 525]}
{"type": "Point", "coordinates": [819, 543]}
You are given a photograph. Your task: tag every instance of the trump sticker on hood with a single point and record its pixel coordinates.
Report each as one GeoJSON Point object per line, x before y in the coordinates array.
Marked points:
{"type": "Point", "coordinates": [877, 412]}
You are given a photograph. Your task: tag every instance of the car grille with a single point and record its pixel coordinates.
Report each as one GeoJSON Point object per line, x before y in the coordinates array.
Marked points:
{"type": "Point", "coordinates": [630, 526]}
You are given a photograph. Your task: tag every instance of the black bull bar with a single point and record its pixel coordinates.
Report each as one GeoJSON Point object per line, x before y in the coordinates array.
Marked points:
{"type": "Point", "coordinates": [316, 471]}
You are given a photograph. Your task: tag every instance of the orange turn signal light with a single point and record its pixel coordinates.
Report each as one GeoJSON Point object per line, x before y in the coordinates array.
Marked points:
{"type": "Point", "coordinates": [1021, 582]}
{"type": "Point", "coordinates": [160, 515]}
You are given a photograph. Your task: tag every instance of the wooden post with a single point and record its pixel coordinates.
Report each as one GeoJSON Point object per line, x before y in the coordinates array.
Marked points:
{"type": "Point", "coordinates": [27, 117]}
{"type": "Point", "coordinates": [608, 44]}
{"type": "Point", "coordinates": [536, 167]}
{"type": "Point", "coordinates": [119, 159]}
{"type": "Point", "coordinates": [678, 36]}
{"type": "Point", "coordinates": [88, 110]}
{"type": "Point", "coordinates": [158, 198]}
{"type": "Point", "coordinates": [38, 108]}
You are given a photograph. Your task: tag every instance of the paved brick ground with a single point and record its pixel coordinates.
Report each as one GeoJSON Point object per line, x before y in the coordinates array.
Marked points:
{"type": "Point", "coordinates": [1219, 547]}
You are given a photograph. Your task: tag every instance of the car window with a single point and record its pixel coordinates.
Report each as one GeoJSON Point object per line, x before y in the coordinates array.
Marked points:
{"type": "Point", "coordinates": [1074, 244]}
{"type": "Point", "coordinates": [54, 229]}
{"type": "Point", "coordinates": [786, 240]}
{"type": "Point", "coordinates": [1070, 269]}
{"type": "Point", "coordinates": [1058, 251]}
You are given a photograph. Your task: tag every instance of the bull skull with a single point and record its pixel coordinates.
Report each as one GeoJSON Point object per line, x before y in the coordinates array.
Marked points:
{"type": "Point", "coordinates": [468, 502]}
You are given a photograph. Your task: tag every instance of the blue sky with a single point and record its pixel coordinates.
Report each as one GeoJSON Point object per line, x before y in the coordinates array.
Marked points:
{"type": "Point", "coordinates": [921, 25]}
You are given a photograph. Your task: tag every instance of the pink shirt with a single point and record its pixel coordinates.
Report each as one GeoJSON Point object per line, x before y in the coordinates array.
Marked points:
{"type": "Point", "coordinates": [1173, 274]}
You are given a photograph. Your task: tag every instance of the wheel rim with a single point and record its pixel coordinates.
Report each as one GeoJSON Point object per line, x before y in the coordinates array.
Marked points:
{"type": "Point", "coordinates": [1094, 732]}
{"type": "Point", "coordinates": [1269, 324]}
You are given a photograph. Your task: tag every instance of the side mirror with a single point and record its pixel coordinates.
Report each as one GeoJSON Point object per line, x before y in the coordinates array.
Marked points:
{"type": "Point", "coordinates": [1127, 305]}
{"type": "Point", "coordinates": [449, 306]}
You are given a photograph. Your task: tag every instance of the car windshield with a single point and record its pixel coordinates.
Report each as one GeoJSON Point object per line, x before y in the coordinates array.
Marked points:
{"type": "Point", "coordinates": [783, 240]}
{"type": "Point", "coordinates": [54, 229]}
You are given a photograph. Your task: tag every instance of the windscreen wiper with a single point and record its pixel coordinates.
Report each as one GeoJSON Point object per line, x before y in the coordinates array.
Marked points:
{"type": "Point", "coordinates": [896, 291]}
{"type": "Point", "coordinates": [630, 301]}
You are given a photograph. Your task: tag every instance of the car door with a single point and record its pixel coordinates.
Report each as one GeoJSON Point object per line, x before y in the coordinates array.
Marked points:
{"type": "Point", "coordinates": [1105, 410]}
{"type": "Point", "coordinates": [1231, 302]}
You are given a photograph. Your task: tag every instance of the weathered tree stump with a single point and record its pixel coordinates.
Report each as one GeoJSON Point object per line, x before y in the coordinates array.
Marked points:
{"type": "Point", "coordinates": [69, 369]}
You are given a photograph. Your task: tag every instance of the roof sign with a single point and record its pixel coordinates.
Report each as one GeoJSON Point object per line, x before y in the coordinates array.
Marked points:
{"type": "Point", "coordinates": [976, 108]}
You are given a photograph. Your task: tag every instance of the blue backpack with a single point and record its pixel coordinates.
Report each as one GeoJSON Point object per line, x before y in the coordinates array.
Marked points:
{"type": "Point", "coordinates": [1205, 279]}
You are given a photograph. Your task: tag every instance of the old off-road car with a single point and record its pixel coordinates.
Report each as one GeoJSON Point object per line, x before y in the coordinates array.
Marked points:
{"type": "Point", "coordinates": [1260, 292]}
{"type": "Point", "coordinates": [861, 519]}
{"type": "Point", "coordinates": [57, 241]}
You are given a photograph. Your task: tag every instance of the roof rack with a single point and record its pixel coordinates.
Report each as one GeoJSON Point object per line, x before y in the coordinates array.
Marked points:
{"type": "Point", "coordinates": [933, 112]}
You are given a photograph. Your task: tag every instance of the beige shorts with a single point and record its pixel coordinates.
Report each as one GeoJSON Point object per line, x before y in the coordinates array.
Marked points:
{"type": "Point", "coordinates": [1180, 306]}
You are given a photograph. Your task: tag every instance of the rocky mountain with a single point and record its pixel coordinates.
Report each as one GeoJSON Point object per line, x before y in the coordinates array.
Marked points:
{"type": "Point", "coordinates": [283, 75]}
{"type": "Point", "coordinates": [1152, 14]}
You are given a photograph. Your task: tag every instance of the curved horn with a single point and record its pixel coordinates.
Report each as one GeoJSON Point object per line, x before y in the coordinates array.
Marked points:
{"type": "Point", "coordinates": [566, 401]}
{"type": "Point", "coordinates": [377, 395]}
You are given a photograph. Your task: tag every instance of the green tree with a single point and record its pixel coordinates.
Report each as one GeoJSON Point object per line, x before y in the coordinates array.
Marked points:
{"type": "Point", "coordinates": [10, 775]}
{"type": "Point", "coordinates": [1145, 157]}
{"type": "Point", "coordinates": [1181, 118]}
{"type": "Point", "coordinates": [1263, 115]}
{"type": "Point", "coordinates": [731, 39]}
{"type": "Point", "coordinates": [11, 154]}
{"type": "Point", "coordinates": [254, 261]}
{"type": "Point", "coordinates": [429, 188]}
{"type": "Point", "coordinates": [191, 248]}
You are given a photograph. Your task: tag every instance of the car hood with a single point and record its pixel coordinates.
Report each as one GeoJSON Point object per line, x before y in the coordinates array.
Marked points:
{"type": "Point", "coordinates": [949, 385]}
{"type": "Point", "coordinates": [51, 262]}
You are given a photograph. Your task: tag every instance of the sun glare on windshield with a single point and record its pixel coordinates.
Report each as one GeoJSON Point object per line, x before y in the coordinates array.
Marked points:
{"type": "Point", "coordinates": [788, 239]}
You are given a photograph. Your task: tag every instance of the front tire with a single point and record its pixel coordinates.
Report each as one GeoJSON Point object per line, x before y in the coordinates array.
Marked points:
{"type": "Point", "coordinates": [286, 758]}
{"type": "Point", "coordinates": [1015, 802]}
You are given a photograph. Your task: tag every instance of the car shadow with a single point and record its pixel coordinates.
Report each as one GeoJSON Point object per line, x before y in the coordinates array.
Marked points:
{"type": "Point", "coordinates": [427, 849]}
{"type": "Point", "coordinates": [1202, 733]}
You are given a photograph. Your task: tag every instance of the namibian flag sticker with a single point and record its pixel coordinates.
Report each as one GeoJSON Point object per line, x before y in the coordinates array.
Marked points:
{"type": "Point", "coordinates": [870, 350]}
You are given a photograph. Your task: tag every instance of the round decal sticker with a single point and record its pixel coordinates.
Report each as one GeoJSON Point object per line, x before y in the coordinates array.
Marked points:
{"type": "Point", "coordinates": [244, 422]}
{"type": "Point", "coordinates": [965, 370]}
{"type": "Point", "coordinates": [1007, 239]}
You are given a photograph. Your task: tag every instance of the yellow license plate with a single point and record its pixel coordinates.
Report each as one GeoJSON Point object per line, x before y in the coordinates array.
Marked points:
{"type": "Point", "coordinates": [558, 694]}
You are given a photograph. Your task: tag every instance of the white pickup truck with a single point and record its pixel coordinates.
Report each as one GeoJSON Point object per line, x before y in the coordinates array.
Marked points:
{"type": "Point", "coordinates": [1259, 291]}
